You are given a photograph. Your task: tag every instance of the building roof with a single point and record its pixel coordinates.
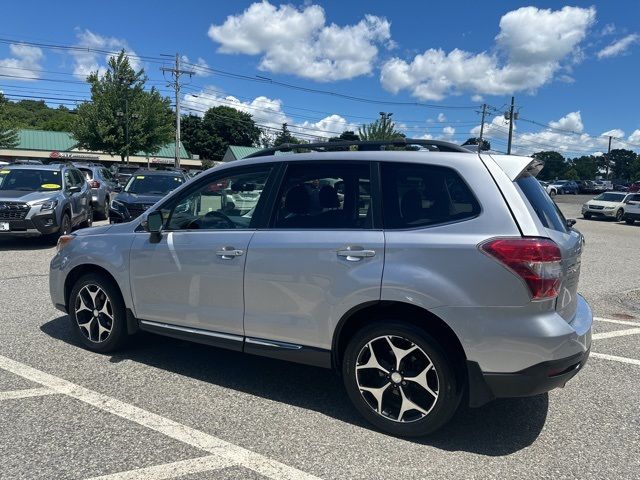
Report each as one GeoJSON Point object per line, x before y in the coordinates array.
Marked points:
{"type": "Point", "coordinates": [64, 142]}
{"type": "Point", "coordinates": [44, 140]}
{"type": "Point", "coordinates": [239, 152]}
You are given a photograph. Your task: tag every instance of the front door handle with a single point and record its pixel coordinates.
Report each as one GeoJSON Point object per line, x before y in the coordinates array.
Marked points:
{"type": "Point", "coordinates": [355, 254]}
{"type": "Point", "coordinates": [228, 253]}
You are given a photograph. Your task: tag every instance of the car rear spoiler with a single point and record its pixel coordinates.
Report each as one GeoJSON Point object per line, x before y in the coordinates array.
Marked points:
{"type": "Point", "coordinates": [516, 166]}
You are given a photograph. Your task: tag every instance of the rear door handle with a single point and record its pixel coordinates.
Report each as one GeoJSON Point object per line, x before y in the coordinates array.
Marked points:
{"type": "Point", "coordinates": [228, 253]}
{"type": "Point", "coordinates": [355, 254]}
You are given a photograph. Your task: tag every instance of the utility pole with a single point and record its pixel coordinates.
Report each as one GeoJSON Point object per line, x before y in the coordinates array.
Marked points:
{"type": "Point", "coordinates": [177, 72]}
{"type": "Point", "coordinates": [481, 140]}
{"type": "Point", "coordinates": [608, 161]}
{"type": "Point", "coordinates": [510, 117]}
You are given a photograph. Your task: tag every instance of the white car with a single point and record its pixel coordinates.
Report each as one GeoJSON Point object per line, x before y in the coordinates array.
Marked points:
{"type": "Point", "coordinates": [607, 204]}
{"type": "Point", "coordinates": [552, 191]}
{"type": "Point", "coordinates": [632, 208]}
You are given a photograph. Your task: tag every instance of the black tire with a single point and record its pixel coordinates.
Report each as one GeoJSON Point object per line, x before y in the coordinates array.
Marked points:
{"type": "Point", "coordinates": [552, 193]}
{"type": "Point", "coordinates": [90, 337]}
{"type": "Point", "coordinates": [89, 220]}
{"type": "Point", "coordinates": [629, 221]}
{"type": "Point", "coordinates": [104, 212]}
{"type": "Point", "coordinates": [586, 215]}
{"type": "Point", "coordinates": [65, 228]}
{"type": "Point", "coordinates": [619, 215]}
{"type": "Point", "coordinates": [438, 412]}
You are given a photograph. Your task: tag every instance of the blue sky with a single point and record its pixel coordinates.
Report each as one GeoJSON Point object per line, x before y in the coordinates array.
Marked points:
{"type": "Point", "coordinates": [572, 67]}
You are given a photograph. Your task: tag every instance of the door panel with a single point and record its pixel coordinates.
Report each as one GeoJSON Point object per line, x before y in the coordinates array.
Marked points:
{"type": "Point", "coordinates": [297, 287]}
{"type": "Point", "coordinates": [182, 280]}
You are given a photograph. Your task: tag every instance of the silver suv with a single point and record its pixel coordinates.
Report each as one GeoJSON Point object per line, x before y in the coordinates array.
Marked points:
{"type": "Point", "coordinates": [45, 200]}
{"type": "Point", "coordinates": [421, 276]}
{"type": "Point", "coordinates": [103, 187]}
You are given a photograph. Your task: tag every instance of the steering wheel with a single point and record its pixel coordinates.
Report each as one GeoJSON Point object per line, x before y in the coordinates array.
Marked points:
{"type": "Point", "coordinates": [213, 220]}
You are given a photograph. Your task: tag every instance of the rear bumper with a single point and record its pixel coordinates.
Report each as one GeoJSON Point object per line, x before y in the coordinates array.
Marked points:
{"type": "Point", "coordinates": [631, 216]}
{"type": "Point", "coordinates": [542, 376]}
{"type": "Point", "coordinates": [599, 213]}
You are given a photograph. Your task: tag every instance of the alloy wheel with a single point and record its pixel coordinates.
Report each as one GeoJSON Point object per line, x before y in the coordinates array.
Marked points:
{"type": "Point", "coordinates": [94, 313]}
{"type": "Point", "coordinates": [397, 379]}
{"type": "Point", "coordinates": [619, 215]}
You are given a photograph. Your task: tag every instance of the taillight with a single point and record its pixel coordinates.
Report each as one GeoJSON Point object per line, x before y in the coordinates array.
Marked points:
{"type": "Point", "coordinates": [94, 184]}
{"type": "Point", "coordinates": [534, 260]}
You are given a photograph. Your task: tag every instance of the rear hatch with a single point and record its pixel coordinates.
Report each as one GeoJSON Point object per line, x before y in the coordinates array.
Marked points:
{"type": "Point", "coordinates": [569, 241]}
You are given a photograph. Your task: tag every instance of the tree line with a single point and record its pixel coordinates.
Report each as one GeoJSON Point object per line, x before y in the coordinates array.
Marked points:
{"type": "Point", "coordinates": [621, 164]}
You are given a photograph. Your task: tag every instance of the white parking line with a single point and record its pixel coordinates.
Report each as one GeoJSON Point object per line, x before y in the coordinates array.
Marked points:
{"type": "Point", "coordinates": [190, 436]}
{"type": "Point", "coordinates": [621, 322]}
{"type": "Point", "coordinates": [172, 470]}
{"type": "Point", "coordinates": [616, 333]}
{"type": "Point", "coordinates": [26, 393]}
{"type": "Point", "coordinates": [615, 358]}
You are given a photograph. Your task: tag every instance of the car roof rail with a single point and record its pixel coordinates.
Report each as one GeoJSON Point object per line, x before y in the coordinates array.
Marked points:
{"type": "Point", "coordinates": [364, 145]}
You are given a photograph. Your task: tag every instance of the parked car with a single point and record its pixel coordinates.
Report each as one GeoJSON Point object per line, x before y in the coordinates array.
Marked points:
{"type": "Point", "coordinates": [103, 187]}
{"type": "Point", "coordinates": [451, 275]}
{"type": "Point", "coordinates": [143, 189]}
{"type": "Point", "coordinates": [607, 204]}
{"type": "Point", "coordinates": [620, 188]}
{"type": "Point", "coordinates": [600, 186]}
{"type": "Point", "coordinates": [634, 187]}
{"type": "Point", "coordinates": [585, 186]}
{"type": "Point", "coordinates": [564, 187]}
{"type": "Point", "coordinates": [47, 200]}
{"type": "Point", "coordinates": [552, 191]}
{"type": "Point", "coordinates": [631, 209]}
{"type": "Point", "coordinates": [123, 172]}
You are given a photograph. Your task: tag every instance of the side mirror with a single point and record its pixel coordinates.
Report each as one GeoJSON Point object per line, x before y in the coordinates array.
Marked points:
{"type": "Point", "coordinates": [571, 222]}
{"type": "Point", "coordinates": [74, 189]}
{"type": "Point", "coordinates": [154, 226]}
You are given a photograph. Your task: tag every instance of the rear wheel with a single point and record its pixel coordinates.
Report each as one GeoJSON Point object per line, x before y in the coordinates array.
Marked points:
{"type": "Point", "coordinates": [619, 215]}
{"type": "Point", "coordinates": [552, 193]}
{"type": "Point", "coordinates": [89, 220]}
{"type": "Point", "coordinates": [104, 212]}
{"type": "Point", "coordinates": [97, 313]}
{"type": "Point", "coordinates": [399, 379]}
{"type": "Point", "coordinates": [629, 221]}
{"type": "Point", "coordinates": [586, 215]}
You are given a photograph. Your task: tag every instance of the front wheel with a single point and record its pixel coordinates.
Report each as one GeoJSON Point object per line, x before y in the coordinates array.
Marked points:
{"type": "Point", "coordinates": [619, 215]}
{"type": "Point", "coordinates": [629, 221]}
{"type": "Point", "coordinates": [552, 193]}
{"type": "Point", "coordinates": [586, 215]}
{"type": "Point", "coordinates": [97, 313]}
{"type": "Point", "coordinates": [399, 379]}
{"type": "Point", "coordinates": [89, 220]}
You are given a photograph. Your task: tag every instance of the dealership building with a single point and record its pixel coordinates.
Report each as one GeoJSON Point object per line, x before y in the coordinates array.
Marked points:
{"type": "Point", "coordinates": [49, 146]}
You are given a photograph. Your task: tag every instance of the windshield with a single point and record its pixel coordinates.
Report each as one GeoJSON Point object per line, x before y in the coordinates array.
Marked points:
{"type": "Point", "coordinates": [152, 184]}
{"type": "Point", "coordinates": [610, 197]}
{"type": "Point", "coordinates": [29, 180]}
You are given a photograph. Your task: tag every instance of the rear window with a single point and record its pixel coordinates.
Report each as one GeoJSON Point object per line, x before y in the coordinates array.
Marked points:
{"type": "Point", "coordinates": [548, 212]}
{"type": "Point", "coordinates": [88, 174]}
{"type": "Point", "coordinates": [417, 195]}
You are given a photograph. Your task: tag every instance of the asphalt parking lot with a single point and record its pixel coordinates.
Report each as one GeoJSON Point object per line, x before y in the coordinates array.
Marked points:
{"type": "Point", "coordinates": [169, 409]}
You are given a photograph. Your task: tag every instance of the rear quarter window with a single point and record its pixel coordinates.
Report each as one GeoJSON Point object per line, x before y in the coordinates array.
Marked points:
{"type": "Point", "coordinates": [416, 195]}
{"type": "Point", "coordinates": [546, 209]}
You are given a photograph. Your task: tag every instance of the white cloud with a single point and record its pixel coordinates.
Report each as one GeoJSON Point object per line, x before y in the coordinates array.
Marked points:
{"type": "Point", "coordinates": [199, 67]}
{"type": "Point", "coordinates": [299, 42]}
{"type": "Point", "coordinates": [267, 112]}
{"type": "Point", "coordinates": [528, 52]}
{"type": "Point", "coordinates": [442, 117]}
{"type": "Point", "coordinates": [448, 131]}
{"type": "Point", "coordinates": [635, 137]}
{"type": "Point", "coordinates": [477, 98]}
{"type": "Point", "coordinates": [557, 136]}
{"type": "Point", "coordinates": [24, 62]}
{"type": "Point", "coordinates": [608, 29]}
{"type": "Point", "coordinates": [88, 61]}
{"type": "Point", "coordinates": [619, 47]}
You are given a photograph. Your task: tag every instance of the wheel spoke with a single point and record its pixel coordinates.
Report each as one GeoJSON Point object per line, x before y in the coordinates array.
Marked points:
{"type": "Point", "coordinates": [421, 379]}
{"type": "Point", "coordinates": [373, 361]}
{"type": "Point", "coordinates": [377, 394]}
{"type": "Point", "coordinates": [105, 310]}
{"type": "Point", "coordinates": [400, 353]}
{"type": "Point", "coordinates": [87, 327]}
{"type": "Point", "coordinates": [83, 306]}
{"type": "Point", "coordinates": [102, 329]}
{"type": "Point", "coordinates": [408, 405]}
{"type": "Point", "coordinates": [93, 295]}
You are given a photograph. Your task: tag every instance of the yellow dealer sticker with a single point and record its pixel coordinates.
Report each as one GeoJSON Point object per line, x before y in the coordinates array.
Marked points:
{"type": "Point", "coordinates": [140, 177]}
{"type": "Point", "coordinates": [50, 186]}
{"type": "Point", "coordinates": [4, 171]}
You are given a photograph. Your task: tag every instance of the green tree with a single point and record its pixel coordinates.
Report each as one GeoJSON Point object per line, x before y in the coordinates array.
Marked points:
{"type": "Point", "coordinates": [475, 140]}
{"type": "Point", "coordinates": [382, 129]}
{"type": "Point", "coordinates": [347, 135]}
{"type": "Point", "coordinates": [224, 126]}
{"type": "Point", "coordinates": [635, 169]}
{"type": "Point", "coordinates": [285, 136]}
{"type": "Point", "coordinates": [586, 167]}
{"type": "Point", "coordinates": [620, 161]}
{"type": "Point", "coordinates": [119, 103]}
{"type": "Point", "coordinates": [554, 165]}
{"type": "Point", "coordinates": [8, 136]}
{"type": "Point", "coordinates": [192, 134]}
{"type": "Point", "coordinates": [34, 114]}
{"type": "Point", "coordinates": [571, 174]}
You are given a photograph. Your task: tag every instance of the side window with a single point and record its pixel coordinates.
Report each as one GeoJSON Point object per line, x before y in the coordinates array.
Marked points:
{"type": "Point", "coordinates": [546, 209]}
{"type": "Point", "coordinates": [221, 203]}
{"type": "Point", "coordinates": [325, 196]}
{"type": "Point", "coordinates": [79, 178]}
{"type": "Point", "coordinates": [87, 172]}
{"type": "Point", "coordinates": [69, 180]}
{"type": "Point", "coordinates": [415, 195]}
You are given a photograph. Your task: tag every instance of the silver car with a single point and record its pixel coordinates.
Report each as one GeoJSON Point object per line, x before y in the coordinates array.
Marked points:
{"type": "Point", "coordinates": [433, 276]}
{"type": "Point", "coordinates": [48, 200]}
{"type": "Point", "coordinates": [103, 187]}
